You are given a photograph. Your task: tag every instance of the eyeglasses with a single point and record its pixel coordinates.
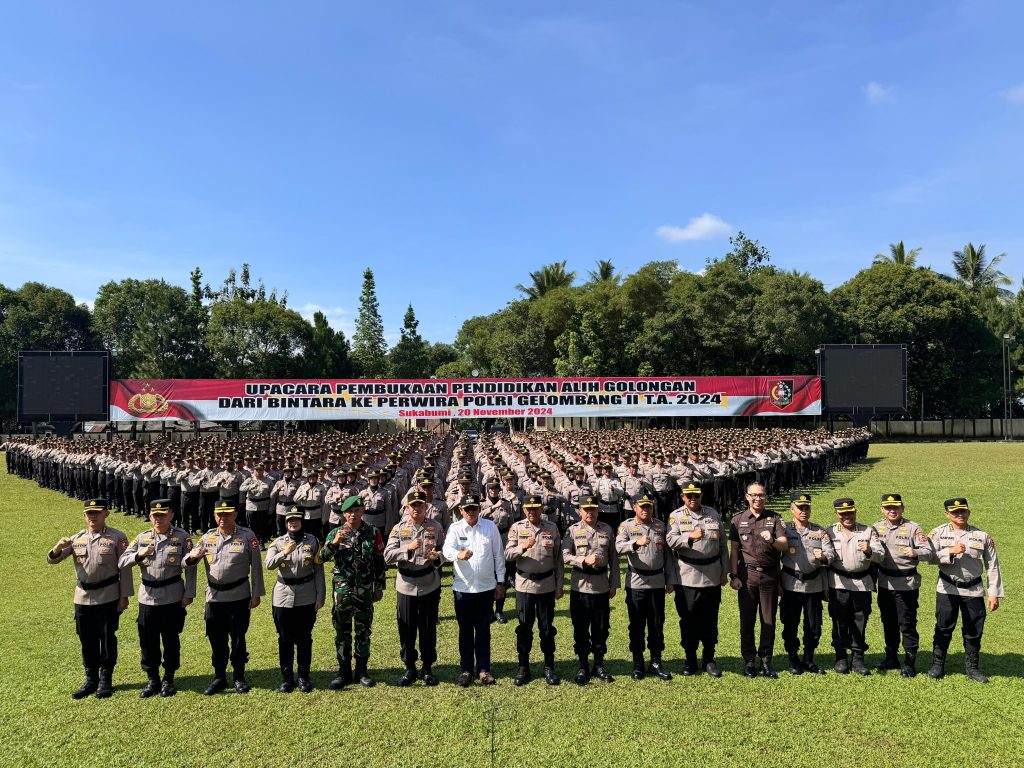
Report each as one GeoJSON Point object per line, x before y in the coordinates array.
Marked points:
{"type": "Point", "coordinates": [758, 495]}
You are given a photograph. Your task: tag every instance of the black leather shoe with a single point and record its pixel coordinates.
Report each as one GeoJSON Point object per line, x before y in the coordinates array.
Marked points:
{"type": "Point", "coordinates": [240, 685]}
{"type": "Point", "coordinates": [152, 688]}
{"type": "Point", "coordinates": [428, 677]}
{"type": "Point", "coordinates": [287, 686]}
{"type": "Point", "coordinates": [305, 684]}
{"type": "Point", "coordinates": [88, 688]}
{"type": "Point", "coordinates": [337, 683]}
{"type": "Point", "coordinates": [523, 676]}
{"type": "Point", "coordinates": [811, 667]}
{"type": "Point", "coordinates": [550, 677]}
{"type": "Point", "coordinates": [712, 669]}
{"type": "Point", "coordinates": [583, 676]}
{"type": "Point", "coordinates": [637, 673]}
{"type": "Point", "coordinates": [464, 681]}
{"type": "Point", "coordinates": [749, 670]}
{"type": "Point", "coordinates": [796, 667]}
{"type": "Point", "coordinates": [365, 680]}
{"type": "Point", "coordinates": [500, 618]}
{"type": "Point", "coordinates": [659, 671]}
{"type": "Point", "coordinates": [842, 665]}
{"type": "Point", "coordinates": [767, 670]}
{"type": "Point", "coordinates": [888, 663]}
{"type": "Point", "coordinates": [858, 668]}
{"type": "Point", "coordinates": [219, 684]}
{"type": "Point", "coordinates": [168, 689]}
{"type": "Point", "coordinates": [105, 689]}
{"type": "Point", "coordinates": [689, 668]}
{"type": "Point", "coordinates": [602, 674]}
{"type": "Point", "coordinates": [408, 678]}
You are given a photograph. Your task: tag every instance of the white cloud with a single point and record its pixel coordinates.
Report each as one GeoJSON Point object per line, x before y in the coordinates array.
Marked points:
{"type": "Point", "coordinates": [88, 302]}
{"type": "Point", "coordinates": [703, 227]}
{"type": "Point", "coordinates": [876, 93]}
{"type": "Point", "coordinates": [1015, 95]}
{"type": "Point", "coordinates": [338, 317]}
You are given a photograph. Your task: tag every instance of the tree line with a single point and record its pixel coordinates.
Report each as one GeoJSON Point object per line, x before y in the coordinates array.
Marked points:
{"type": "Point", "coordinates": [739, 315]}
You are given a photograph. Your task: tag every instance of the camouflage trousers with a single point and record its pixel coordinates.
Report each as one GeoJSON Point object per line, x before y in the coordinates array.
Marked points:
{"type": "Point", "coordinates": [352, 608]}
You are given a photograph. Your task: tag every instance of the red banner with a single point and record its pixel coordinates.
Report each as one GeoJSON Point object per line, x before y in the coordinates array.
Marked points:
{"type": "Point", "coordinates": [330, 399]}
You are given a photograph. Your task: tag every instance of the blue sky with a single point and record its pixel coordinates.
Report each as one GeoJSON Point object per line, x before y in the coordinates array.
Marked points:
{"type": "Point", "coordinates": [455, 146]}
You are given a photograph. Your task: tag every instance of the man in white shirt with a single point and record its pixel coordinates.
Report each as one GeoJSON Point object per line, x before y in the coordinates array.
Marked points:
{"type": "Point", "coordinates": [473, 545]}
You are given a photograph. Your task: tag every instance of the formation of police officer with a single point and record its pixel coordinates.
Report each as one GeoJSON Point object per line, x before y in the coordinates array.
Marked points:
{"type": "Point", "coordinates": [535, 485]}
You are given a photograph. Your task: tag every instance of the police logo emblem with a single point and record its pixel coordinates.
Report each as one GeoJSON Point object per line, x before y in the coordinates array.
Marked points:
{"type": "Point", "coordinates": [781, 393]}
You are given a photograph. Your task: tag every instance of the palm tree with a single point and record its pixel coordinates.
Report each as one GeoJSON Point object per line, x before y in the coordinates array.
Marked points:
{"type": "Point", "coordinates": [976, 275]}
{"type": "Point", "coordinates": [898, 254]}
{"type": "Point", "coordinates": [605, 271]}
{"type": "Point", "coordinates": [547, 278]}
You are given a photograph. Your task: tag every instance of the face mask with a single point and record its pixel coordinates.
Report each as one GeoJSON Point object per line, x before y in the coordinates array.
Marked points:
{"type": "Point", "coordinates": [295, 535]}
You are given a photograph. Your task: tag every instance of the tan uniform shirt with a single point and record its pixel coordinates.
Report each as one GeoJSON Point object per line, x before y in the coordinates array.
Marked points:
{"type": "Point", "coordinates": [851, 569]}
{"type": "Point", "coordinates": [417, 574]}
{"type": "Point", "coordinates": [699, 562]}
{"type": "Point", "coordinates": [162, 571]}
{"type": "Point", "coordinates": [648, 567]}
{"type": "Point", "coordinates": [905, 546]}
{"type": "Point", "coordinates": [232, 559]}
{"type": "Point", "coordinates": [539, 569]}
{"type": "Point", "coordinates": [300, 572]}
{"type": "Point", "coordinates": [96, 561]}
{"type": "Point", "coordinates": [580, 542]}
{"type": "Point", "coordinates": [978, 559]}
{"type": "Point", "coordinates": [802, 570]}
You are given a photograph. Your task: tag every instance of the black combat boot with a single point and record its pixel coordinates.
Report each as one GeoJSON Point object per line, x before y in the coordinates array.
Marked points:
{"type": "Point", "coordinates": [857, 665]}
{"type": "Point", "coordinates": [971, 664]}
{"type": "Point", "coordinates": [88, 686]}
{"type": "Point", "coordinates": [599, 670]}
{"type": "Point", "coordinates": [220, 682]}
{"type": "Point", "coordinates": [638, 667]}
{"type": "Point", "coordinates": [105, 689]}
{"type": "Point", "coordinates": [842, 663]}
{"type": "Point", "coordinates": [408, 677]}
{"type": "Point", "coordinates": [938, 668]}
{"type": "Point", "coordinates": [809, 665]}
{"type": "Point", "coordinates": [658, 670]}
{"type": "Point", "coordinates": [909, 668]}
{"type": "Point", "coordinates": [428, 676]}
{"type": "Point", "coordinates": [362, 675]}
{"type": "Point", "coordinates": [287, 681]}
{"type": "Point", "coordinates": [891, 661]}
{"type": "Point", "coordinates": [523, 675]}
{"type": "Point", "coordinates": [767, 670]}
{"type": "Point", "coordinates": [690, 666]}
{"type": "Point", "coordinates": [583, 675]}
{"type": "Point", "coordinates": [239, 677]}
{"type": "Point", "coordinates": [152, 688]}
{"type": "Point", "coordinates": [796, 667]}
{"type": "Point", "coordinates": [305, 684]}
{"type": "Point", "coordinates": [344, 676]}
{"type": "Point", "coordinates": [168, 689]}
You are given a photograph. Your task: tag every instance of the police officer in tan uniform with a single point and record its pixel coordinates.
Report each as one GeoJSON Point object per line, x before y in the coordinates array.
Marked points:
{"type": "Point", "coordinates": [234, 586]}
{"type": "Point", "coordinates": [498, 510]}
{"type": "Point", "coordinates": [589, 547]}
{"type": "Point", "coordinates": [642, 540]}
{"type": "Point", "coordinates": [257, 489]}
{"type": "Point", "coordinates": [534, 549]}
{"type": "Point", "coordinates": [414, 547]}
{"type": "Point", "coordinates": [101, 595]}
{"type": "Point", "coordinates": [299, 594]}
{"type": "Point", "coordinates": [899, 584]}
{"type": "Point", "coordinates": [850, 585]}
{"type": "Point", "coordinates": [808, 552]}
{"type": "Point", "coordinates": [701, 549]}
{"type": "Point", "coordinates": [966, 555]}
{"type": "Point", "coordinates": [282, 497]}
{"type": "Point", "coordinates": [163, 597]}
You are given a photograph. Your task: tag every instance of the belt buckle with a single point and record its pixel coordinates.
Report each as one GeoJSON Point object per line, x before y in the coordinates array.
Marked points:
{"type": "Point", "coordinates": [759, 569]}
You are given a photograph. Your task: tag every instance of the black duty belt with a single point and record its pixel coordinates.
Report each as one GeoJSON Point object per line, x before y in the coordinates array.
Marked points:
{"type": "Point", "coordinates": [91, 585]}
{"type": "Point", "coordinates": [285, 502]}
{"type": "Point", "coordinates": [851, 574]}
{"type": "Point", "coordinates": [224, 586]}
{"type": "Point", "coordinates": [897, 572]}
{"type": "Point", "coordinates": [590, 570]}
{"type": "Point", "coordinates": [294, 582]}
{"type": "Point", "coordinates": [800, 576]}
{"type": "Point", "coordinates": [157, 583]}
{"type": "Point", "coordinates": [960, 583]}
{"type": "Point", "coordinates": [646, 571]}
{"type": "Point", "coordinates": [535, 576]}
{"type": "Point", "coordinates": [691, 560]}
{"type": "Point", "coordinates": [412, 573]}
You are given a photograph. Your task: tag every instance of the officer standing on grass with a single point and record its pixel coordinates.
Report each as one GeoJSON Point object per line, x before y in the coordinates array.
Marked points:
{"type": "Point", "coordinates": [899, 583]}
{"type": "Point", "coordinates": [100, 597]}
{"type": "Point", "coordinates": [965, 555]}
{"type": "Point", "coordinates": [163, 597]}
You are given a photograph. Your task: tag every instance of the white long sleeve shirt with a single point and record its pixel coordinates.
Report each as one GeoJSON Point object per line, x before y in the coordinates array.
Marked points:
{"type": "Point", "coordinates": [486, 568]}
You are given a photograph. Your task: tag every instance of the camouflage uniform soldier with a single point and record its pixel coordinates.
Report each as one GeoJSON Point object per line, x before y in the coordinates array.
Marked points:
{"type": "Point", "coordinates": [357, 551]}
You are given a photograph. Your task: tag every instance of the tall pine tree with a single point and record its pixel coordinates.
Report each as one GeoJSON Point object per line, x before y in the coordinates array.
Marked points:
{"type": "Point", "coordinates": [369, 350]}
{"type": "Point", "coordinates": [409, 355]}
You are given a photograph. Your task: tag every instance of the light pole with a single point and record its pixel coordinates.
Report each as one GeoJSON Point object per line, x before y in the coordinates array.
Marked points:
{"type": "Point", "coordinates": [1007, 388]}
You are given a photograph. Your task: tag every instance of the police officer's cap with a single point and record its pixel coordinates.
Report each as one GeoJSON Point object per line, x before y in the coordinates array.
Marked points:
{"type": "Point", "coordinates": [470, 500]}
{"type": "Point", "coordinates": [645, 501]}
{"type": "Point", "coordinates": [800, 499]}
{"type": "Point", "coordinates": [892, 500]}
{"type": "Point", "coordinates": [493, 484]}
{"type": "Point", "coordinates": [417, 497]}
{"type": "Point", "coordinates": [372, 474]}
{"type": "Point", "coordinates": [844, 505]}
{"type": "Point", "coordinates": [223, 507]}
{"type": "Point", "coordinates": [294, 512]}
{"type": "Point", "coordinates": [426, 481]}
{"type": "Point", "coordinates": [160, 507]}
{"type": "Point", "coordinates": [692, 488]}
{"type": "Point", "coordinates": [955, 505]}
{"type": "Point", "coordinates": [533, 502]}
{"type": "Point", "coordinates": [589, 502]}
{"type": "Point", "coordinates": [96, 505]}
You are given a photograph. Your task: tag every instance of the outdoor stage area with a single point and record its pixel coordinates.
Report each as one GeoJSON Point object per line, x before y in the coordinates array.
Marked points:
{"type": "Point", "coordinates": [831, 720]}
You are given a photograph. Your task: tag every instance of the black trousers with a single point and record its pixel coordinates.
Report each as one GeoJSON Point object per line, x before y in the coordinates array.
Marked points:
{"type": "Point", "coordinates": [849, 611]}
{"type": "Point", "coordinates": [207, 502]}
{"type": "Point", "coordinates": [295, 635]}
{"type": "Point", "coordinates": [792, 607]}
{"type": "Point", "coordinates": [758, 601]}
{"type": "Point", "coordinates": [948, 608]}
{"type": "Point", "coordinates": [96, 626]}
{"type": "Point", "coordinates": [139, 497]}
{"type": "Point", "coordinates": [646, 611]}
{"type": "Point", "coordinates": [698, 619]}
{"type": "Point", "coordinates": [417, 617]}
{"type": "Point", "coordinates": [315, 527]}
{"type": "Point", "coordinates": [227, 623]}
{"type": "Point", "coordinates": [160, 623]}
{"type": "Point", "coordinates": [591, 620]}
{"type": "Point", "coordinates": [542, 609]}
{"type": "Point", "coordinates": [259, 521]}
{"type": "Point", "coordinates": [898, 610]}
{"type": "Point", "coordinates": [191, 519]}
{"type": "Point", "coordinates": [473, 612]}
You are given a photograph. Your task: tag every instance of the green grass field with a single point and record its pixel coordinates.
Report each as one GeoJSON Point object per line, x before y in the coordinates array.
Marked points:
{"type": "Point", "coordinates": [815, 721]}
